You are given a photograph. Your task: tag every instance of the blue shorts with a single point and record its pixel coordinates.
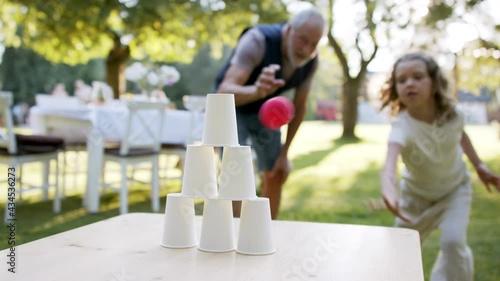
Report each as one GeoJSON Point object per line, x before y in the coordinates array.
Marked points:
{"type": "Point", "coordinates": [265, 142]}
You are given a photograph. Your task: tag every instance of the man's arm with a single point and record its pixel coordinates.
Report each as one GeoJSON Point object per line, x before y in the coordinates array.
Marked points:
{"type": "Point", "coordinates": [233, 83]}
{"type": "Point", "coordinates": [300, 103]}
{"type": "Point", "coordinates": [282, 165]}
{"type": "Point", "coordinates": [247, 56]}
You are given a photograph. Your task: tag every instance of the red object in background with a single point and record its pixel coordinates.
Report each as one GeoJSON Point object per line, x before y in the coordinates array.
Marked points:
{"type": "Point", "coordinates": [326, 110]}
{"type": "Point", "coordinates": [276, 112]}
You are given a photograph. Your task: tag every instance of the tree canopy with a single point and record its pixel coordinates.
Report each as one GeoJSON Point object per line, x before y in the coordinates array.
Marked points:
{"type": "Point", "coordinates": [359, 29]}
{"type": "Point", "coordinates": [75, 31]}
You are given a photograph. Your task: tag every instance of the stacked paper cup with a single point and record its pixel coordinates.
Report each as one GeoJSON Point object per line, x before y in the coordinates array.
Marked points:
{"type": "Point", "coordinates": [235, 182]}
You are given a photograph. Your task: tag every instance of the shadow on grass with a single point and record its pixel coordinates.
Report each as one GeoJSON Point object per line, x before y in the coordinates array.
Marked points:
{"type": "Point", "coordinates": [327, 200]}
{"type": "Point", "coordinates": [364, 187]}
{"type": "Point", "coordinates": [305, 160]}
{"type": "Point", "coordinates": [300, 200]}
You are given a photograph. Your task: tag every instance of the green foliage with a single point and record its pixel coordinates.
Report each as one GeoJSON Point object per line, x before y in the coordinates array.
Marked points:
{"type": "Point", "coordinates": [327, 82]}
{"type": "Point", "coordinates": [439, 11]}
{"type": "Point", "coordinates": [477, 72]}
{"type": "Point", "coordinates": [202, 71]}
{"type": "Point", "coordinates": [62, 31]}
{"type": "Point", "coordinates": [26, 73]}
{"type": "Point", "coordinates": [328, 79]}
{"type": "Point", "coordinates": [75, 31]}
{"type": "Point", "coordinates": [443, 14]}
{"type": "Point", "coordinates": [478, 66]}
{"type": "Point", "coordinates": [197, 77]}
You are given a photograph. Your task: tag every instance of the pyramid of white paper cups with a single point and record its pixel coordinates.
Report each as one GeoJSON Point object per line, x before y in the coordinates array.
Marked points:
{"type": "Point", "coordinates": [234, 182]}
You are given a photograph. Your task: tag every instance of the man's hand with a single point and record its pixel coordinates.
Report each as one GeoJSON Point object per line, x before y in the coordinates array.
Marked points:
{"type": "Point", "coordinates": [281, 167]}
{"type": "Point", "coordinates": [267, 83]}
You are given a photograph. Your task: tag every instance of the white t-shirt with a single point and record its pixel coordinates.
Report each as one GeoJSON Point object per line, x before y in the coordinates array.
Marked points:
{"type": "Point", "coordinates": [432, 154]}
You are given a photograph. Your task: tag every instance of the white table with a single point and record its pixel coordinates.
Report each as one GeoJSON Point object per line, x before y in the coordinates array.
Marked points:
{"type": "Point", "coordinates": [98, 124]}
{"type": "Point", "coordinates": [128, 248]}
{"type": "Point", "coordinates": [75, 124]}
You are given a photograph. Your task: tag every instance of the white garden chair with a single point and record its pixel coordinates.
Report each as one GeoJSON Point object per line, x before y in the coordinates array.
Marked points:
{"type": "Point", "coordinates": [140, 144]}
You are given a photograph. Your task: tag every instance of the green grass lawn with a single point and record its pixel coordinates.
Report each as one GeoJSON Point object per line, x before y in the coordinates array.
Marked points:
{"type": "Point", "coordinates": [331, 182]}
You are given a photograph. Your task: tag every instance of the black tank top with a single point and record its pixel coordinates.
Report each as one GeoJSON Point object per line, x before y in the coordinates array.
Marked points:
{"type": "Point", "coordinates": [272, 55]}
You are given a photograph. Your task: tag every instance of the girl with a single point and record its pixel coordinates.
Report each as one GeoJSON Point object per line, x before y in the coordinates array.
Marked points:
{"type": "Point", "coordinates": [435, 189]}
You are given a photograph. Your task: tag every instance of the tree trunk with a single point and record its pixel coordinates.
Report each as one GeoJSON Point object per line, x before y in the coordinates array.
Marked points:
{"type": "Point", "coordinates": [350, 91]}
{"type": "Point", "coordinates": [115, 67]}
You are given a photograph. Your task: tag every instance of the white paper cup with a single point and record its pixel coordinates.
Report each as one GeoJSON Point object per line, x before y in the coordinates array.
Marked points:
{"type": "Point", "coordinates": [217, 229]}
{"type": "Point", "coordinates": [199, 178]}
{"type": "Point", "coordinates": [219, 128]}
{"type": "Point", "coordinates": [255, 235]}
{"type": "Point", "coordinates": [237, 179]}
{"type": "Point", "coordinates": [179, 229]}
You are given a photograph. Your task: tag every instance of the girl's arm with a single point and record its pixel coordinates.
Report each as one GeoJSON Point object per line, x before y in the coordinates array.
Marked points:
{"type": "Point", "coordinates": [388, 180]}
{"type": "Point", "coordinates": [486, 176]}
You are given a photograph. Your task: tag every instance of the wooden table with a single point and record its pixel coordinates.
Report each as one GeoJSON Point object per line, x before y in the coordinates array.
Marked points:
{"type": "Point", "coordinates": [127, 247]}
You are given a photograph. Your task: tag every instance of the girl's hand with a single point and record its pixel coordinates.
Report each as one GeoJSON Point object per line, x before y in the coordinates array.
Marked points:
{"type": "Point", "coordinates": [389, 182]}
{"type": "Point", "coordinates": [487, 177]}
{"type": "Point", "coordinates": [390, 196]}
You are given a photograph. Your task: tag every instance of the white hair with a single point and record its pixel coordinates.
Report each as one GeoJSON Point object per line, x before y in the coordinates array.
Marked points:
{"type": "Point", "coordinates": [311, 15]}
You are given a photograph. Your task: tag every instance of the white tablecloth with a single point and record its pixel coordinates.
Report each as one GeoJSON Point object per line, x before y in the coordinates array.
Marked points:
{"type": "Point", "coordinates": [75, 124]}
{"type": "Point", "coordinates": [97, 124]}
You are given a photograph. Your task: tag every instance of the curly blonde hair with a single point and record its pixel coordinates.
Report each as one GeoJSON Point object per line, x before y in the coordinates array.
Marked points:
{"type": "Point", "coordinates": [445, 104]}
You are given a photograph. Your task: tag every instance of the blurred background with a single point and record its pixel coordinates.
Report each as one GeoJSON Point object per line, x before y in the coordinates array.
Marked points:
{"type": "Point", "coordinates": [49, 43]}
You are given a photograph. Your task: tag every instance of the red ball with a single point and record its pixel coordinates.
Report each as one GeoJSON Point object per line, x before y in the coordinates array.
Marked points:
{"type": "Point", "coordinates": [276, 112]}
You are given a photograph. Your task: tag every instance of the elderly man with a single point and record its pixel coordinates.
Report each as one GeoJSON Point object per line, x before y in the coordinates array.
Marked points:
{"type": "Point", "coordinates": [267, 61]}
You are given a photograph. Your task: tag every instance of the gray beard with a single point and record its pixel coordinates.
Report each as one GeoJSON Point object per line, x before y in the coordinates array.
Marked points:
{"type": "Point", "coordinates": [292, 61]}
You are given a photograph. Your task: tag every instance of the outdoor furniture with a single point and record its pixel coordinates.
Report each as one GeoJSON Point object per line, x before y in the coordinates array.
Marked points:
{"type": "Point", "coordinates": [74, 145]}
{"type": "Point", "coordinates": [127, 247]}
{"type": "Point", "coordinates": [17, 150]}
{"type": "Point", "coordinates": [140, 144]}
{"type": "Point", "coordinates": [171, 149]}
{"type": "Point", "coordinates": [106, 124]}
{"type": "Point", "coordinates": [50, 101]}
{"type": "Point", "coordinates": [107, 121]}
{"type": "Point", "coordinates": [195, 105]}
